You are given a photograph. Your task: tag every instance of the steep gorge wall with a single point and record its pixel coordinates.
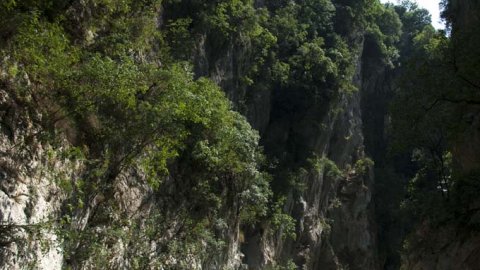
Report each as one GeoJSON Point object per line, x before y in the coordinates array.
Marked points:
{"type": "Point", "coordinates": [322, 140]}
{"type": "Point", "coordinates": [335, 225]}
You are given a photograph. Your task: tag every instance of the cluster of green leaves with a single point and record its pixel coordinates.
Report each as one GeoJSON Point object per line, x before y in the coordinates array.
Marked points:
{"type": "Point", "coordinates": [309, 55]}
{"type": "Point", "coordinates": [385, 30]}
{"type": "Point", "coordinates": [281, 222]}
{"type": "Point", "coordinates": [292, 43]}
{"type": "Point", "coordinates": [222, 24]}
{"type": "Point", "coordinates": [422, 89]}
{"type": "Point", "coordinates": [326, 166]}
{"type": "Point", "coordinates": [363, 166]}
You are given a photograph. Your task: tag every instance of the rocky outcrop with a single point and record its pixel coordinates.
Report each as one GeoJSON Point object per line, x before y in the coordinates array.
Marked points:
{"type": "Point", "coordinates": [335, 227]}
{"type": "Point", "coordinates": [30, 196]}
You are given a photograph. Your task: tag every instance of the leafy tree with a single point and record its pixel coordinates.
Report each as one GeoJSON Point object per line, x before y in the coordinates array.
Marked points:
{"type": "Point", "coordinates": [429, 117]}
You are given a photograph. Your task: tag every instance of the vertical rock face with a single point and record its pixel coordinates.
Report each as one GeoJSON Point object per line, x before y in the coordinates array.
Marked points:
{"type": "Point", "coordinates": [317, 144]}
{"type": "Point", "coordinates": [335, 228]}
{"type": "Point", "coordinates": [333, 207]}
{"type": "Point", "coordinates": [376, 94]}
{"type": "Point", "coordinates": [29, 192]}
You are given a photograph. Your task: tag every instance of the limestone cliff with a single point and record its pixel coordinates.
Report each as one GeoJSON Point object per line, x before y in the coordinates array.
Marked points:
{"type": "Point", "coordinates": [314, 79]}
{"type": "Point", "coordinates": [335, 228]}
{"type": "Point", "coordinates": [320, 141]}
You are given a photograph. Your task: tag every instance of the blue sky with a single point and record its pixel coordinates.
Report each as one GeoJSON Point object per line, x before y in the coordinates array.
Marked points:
{"type": "Point", "coordinates": [432, 6]}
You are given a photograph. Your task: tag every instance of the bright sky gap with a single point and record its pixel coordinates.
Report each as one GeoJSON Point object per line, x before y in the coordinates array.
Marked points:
{"type": "Point", "coordinates": [432, 6]}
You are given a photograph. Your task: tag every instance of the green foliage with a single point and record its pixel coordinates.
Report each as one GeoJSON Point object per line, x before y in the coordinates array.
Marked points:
{"type": "Point", "coordinates": [283, 265]}
{"type": "Point", "coordinates": [363, 166]}
{"type": "Point", "coordinates": [255, 200]}
{"type": "Point", "coordinates": [431, 121]}
{"type": "Point", "coordinates": [115, 76]}
{"type": "Point", "coordinates": [116, 33]}
{"type": "Point", "coordinates": [178, 35]}
{"type": "Point", "coordinates": [308, 49]}
{"type": "Point", "coordinates": [297, 180]}
{"type": "Point", "coordinates": [310, 64]}
{"type": "Point", "coordinates": [8, 5]}
{"type": "Point", "coordinates": [230, 17]}
{"type": "Point", "coordinates": [130, 113]}
{"type": "Point", "coordinates": [385, 30]}
{"type": "Point", "coordinates": [430, 113]}
{"type": "Point", "coordinates": [431, 186]}
{"type": "Point", "coordinates": [281, 222]}
{"type": "Point", "coordinates": [325, 166]}
{"type": "Point", "coordinates": [42, 49]}
{"type": "Point", "coordinates": [11, 10]}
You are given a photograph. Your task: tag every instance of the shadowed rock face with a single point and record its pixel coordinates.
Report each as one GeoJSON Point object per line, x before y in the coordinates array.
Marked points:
{"type": "Point", "coordinates": [335, 226]}
{"type": "Point", "coordinates": [333, 208]}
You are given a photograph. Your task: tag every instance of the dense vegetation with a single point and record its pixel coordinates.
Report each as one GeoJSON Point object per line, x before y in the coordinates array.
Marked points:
{"type": "Point", "coordinates": [434, 115]}
{"type": "Point", "coordinates": [108, 83]}
{"type": "Point", "coordinates": [126, 84]}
